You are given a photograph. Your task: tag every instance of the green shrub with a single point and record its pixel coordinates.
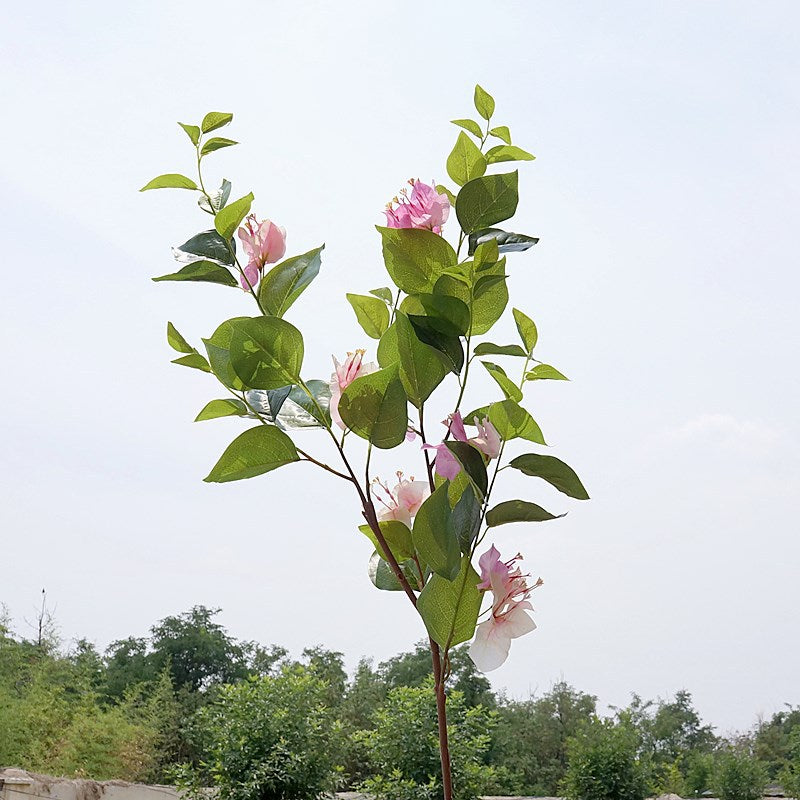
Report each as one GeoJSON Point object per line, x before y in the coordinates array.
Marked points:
{"type": "Point", "coordinates": [739, 775]}
{"type": "Point", "coordinates": [790, 774]}
{"type": "Point", "coordinates": [604, 764]}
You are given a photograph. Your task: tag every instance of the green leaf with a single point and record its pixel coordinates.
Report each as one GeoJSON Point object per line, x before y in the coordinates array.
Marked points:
{"type": "Point", "coordinates": [170, 181]}
{"type": "Point", "coordinates": [252, 453]}
{"type": "Point", "coordinates": [266, 352]}
{"type": "Point", "coordinates": [214, 120]}
{"type": "Point", "coordinates": [484, 102]}
{"type": "Point", "coordinates": [544, 372]}
{"type": "Point", "coordinates": [218, 199]}
{"type": "Point", "coordinates": [527, 329]}
{"type": "Point", "coordinates": [205, 271]}
{"type": "Point", "coordinates": [485, 283]}
{"type": "Point", "coordinates": [552, 470]}
{"type": "Point", "coordinates": [469, 125]}
{"type": "Point", "coordinates": [383, 577]}
{"type": "Point", "coordinates": [227, 219]}
{"type": "Point", "coordinates": [501, 132]}
{"type": "Point", "coordinates": [415, 258]}
{"type": "Point", "coordinates": [510, 389]}
{"type": "Point", "coordinates": [507, 242]}
{"type": "Point", "coordinates": [217, 143]}
{"type": "Point", "coordinates": [471, 460]}
{"type": "Point", "coordinates": [510, 419]}
{"type": "Point", "coordinates": [466, 161]}
{"type": "Point", "coordinates": [218, 349]}
{"type": "Point", "coordinates": [229, 407]}
{"type": "Point", "coordinates": [421, 368]}
{"type": "Point", "coordinates": [286, 281]}
{"type": "Point", "coordinates": [321, 391]}
{"type": "Point", "coordinates": [176, 341]}
{"type": "Point", "coordinates": [375, 408]}
{"type": "Point", "coordinates": [372, 314]}
{"type": "Point", "coordinates": [507, 152]}
{"type": "Point", "coordinates": [397, 536]}
{"type": "Point", "coordinates": [434, 537]}
{"type": "Point", "coordinates": [466, 518]}
{"type": "Point", "coordinates": [385, 294]}
{"type": "Point", "coordinates": [489, 349]}
{"type": "Point", "coordinates": [388, 349]}
{"type": "Point", "coordinates": [192, 131]}
{"type": "Point", "coordinates": [518, 511]}
{"type": "Point", "coordinates": [487, 254]}
{"type": "Point", "coordinates": [485, 201]}
{"type": "Point", "coordinates": [447, 347]}
{"type": "Point", "coordinates": [449, 608]}
{"type": "Point", "coordinates": [207, 245]}
{"type": "Point", "coordinates": [450, 314]}
{"type": "Point", "coordinates": [193, 360]}
{"type": "Point", "coordinates": [444, 190]}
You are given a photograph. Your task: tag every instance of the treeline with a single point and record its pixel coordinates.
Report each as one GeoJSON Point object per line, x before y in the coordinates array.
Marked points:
{"type": "Point", "coordinates": [191, 705]}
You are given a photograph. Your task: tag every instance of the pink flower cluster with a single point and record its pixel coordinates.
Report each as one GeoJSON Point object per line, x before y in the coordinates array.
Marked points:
{"type": "Point", "coordinates": [487, 441]}
{"type": "Point", "coordinates": [343, 376]}
{"type": "Point", "coordinates": [402, 502]}
{"type": "Point", "coordinates": [264, 243]}
{"type": "Point", "coordinates": [423, 208]}
{"type": "Point", "coordinates": [508, 619]}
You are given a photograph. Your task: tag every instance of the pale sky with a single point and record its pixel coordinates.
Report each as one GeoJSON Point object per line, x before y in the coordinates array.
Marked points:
{"type": "Point", "coordinates": [665, 286]}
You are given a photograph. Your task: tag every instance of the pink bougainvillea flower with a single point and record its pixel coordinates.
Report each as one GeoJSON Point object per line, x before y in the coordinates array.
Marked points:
{"type": "Point", "coordinates": [508, 619]}
{"type": "Point", "coordinates": [423, 208]}
{"type": "Point", "coordinates": [264, 243]}
{"type": "Point", "coordinates": [402, 502]}
{"type": "Point", "coordinates": [343, 376]}
{"type": "Point", "coordinates": [487, 441]}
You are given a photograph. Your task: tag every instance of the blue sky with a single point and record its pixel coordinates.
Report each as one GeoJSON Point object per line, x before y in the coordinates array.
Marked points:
{"type": "Point", "coordinates": [665, 193]}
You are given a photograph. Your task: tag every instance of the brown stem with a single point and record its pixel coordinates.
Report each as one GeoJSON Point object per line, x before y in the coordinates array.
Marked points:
{"type": "Point", "coordinates": [441, 716]}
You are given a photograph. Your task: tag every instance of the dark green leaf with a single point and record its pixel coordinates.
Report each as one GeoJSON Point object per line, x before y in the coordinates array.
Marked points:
{"type": "Point", "coordinates": [254, 452]}
{"type": "Point", "coordinates": [372, 314]}
{"type": "Point", "coordinates": [471, 460]}
{"type": "Point", "coordinates": [318, 408]}
{"type": "Point", "coordinates": [170, 181]}
{"type": "Point", "coordinates": [554, 471]}
{"type": "Point", "coordinates": [266, 352]}
{"type": "Point", "coordinates": [193, 360]}
{"type": "Point", "coordinates": [507, 152]}
{"type": "Point", "coordinates": [465, 161]}
{"type": "Point", "coordinates": [214, 120]}
{"type": "Point", "coordinates": [489, 349]}
{"type": "Point", "coordinates": [218, 348]}
{"type": "Point", "coordinates": [207, 245]}
{"type": "Point", "coordinates": [544, 372]}
{"type": "Point", "coordinates": [383, 577]}
{"type": "Point", "coordinates": [469, 125]}
{"type": "Point", "coordinates": [434, 537]}
{"type": "Point", "coordinates": [215, 409]}
{"type": "Point", "coordinates": [448, 346]}
{"type": "Point", "coordinates": [385, 294]}
{"type": "Point", "coordinates": [518, 511]}
{"type": "Point", "coordinates": [484, 102]}
{"type": "Point", "coordinates": [415, 258]}
{"type": "Point", "coordinates": [397, 536]}
{"type": "Point", "coordinates": [218, 199]}
{"type": "Point", "coordinates": [375, 408]}
{"type": "Point", "coordinates": [466, 518]}
{"type": "Point", "coordinates": [192, 131]}
{"type": "Point", "coordinates": [286, 281]}
{"type": "Point", "coordinates": [449, 608]}
{"type": "Point", "coordinates": [507, 242]}
{"type": "Point", "coordinates": [527, 330]}
{"type": "Point", "coordinates": [204, 271]}
{"type": "Point", "coordinates": [421, 368]}
{"type": "Point", "coordinates": [176, 341]}
{"type": "Point", "coordinates": [227, 220]}
{"type": "Point", "coordinates": [501, 132]}
{"type": "Point", "coordinates": [217, 143]}
{"type": "Point", "coordinates": [485, 201]}
{"type": "Point", "coordinates": [510, 389]}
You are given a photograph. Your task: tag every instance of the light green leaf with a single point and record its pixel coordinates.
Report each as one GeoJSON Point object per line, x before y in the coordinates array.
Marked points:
{"type": "Point", "coordinates": [219, 357]}
{"type": "Point", "coordinates": [518, 511]}
{"type": "Point", "coordinates": [469, 125]}
{"type": "Point", "coordinates": [171, 180]}
{"type": "Point", "coordinates": [485, 201]}
{"type": "Point", "coordinates": [372, 314]}
{"type": "Point", "coordinates": [375, 408]}
{"type": "Point", "coordinates": [434, 537]}
{"type": "Point", "coordinates": [397, 536]}
{"type": "Point", "coordinates": [501, 132]}
{"type": "Point", "coordinates": [527, 330]}
{"type": "Point", "coordinates": [385, 294]}
{"type": "Point", "coordinates": [507, 152]}
{"type": "Point", "coordinates": [227, 219]}
{"type": "Point", "coordinates": [510, 419]}
{"type": "Point", "coordinates": [217, 199]}
{"type": "Point", "coordinates": [192, 131]}
{"type": "Point", "coordinates": [489, 349]}
{"type": "Point", "coordinates": [176, 341]}
{"type": "Point", "coordinates": [444, 190]}
{"type": "Point", "coordinates": [266, 352]}
{"type": "Point", "coordinates": [217, 143]}
{"type": "Point", "coordinates": [388, 350]}
{"type": "Point", "coordinates": [214, 120]}
{"type": "Point", "coordinates": [544, 372]}
{"type": "Point", "coordinates": [554, 471]}
{"type": "Point", "coordinates": [415, 258]}
{"type": "Point", "coordinates": [484, 102]}
{"type": "Point", "coordinates": [449, 608]}
{"type": "Point", "coordinates": [421, 368]}
{"type": "Point", "coordinates": [465, 161]}
{"type": "Point", "coordinates": [510, 389]}
{"type": "Point", "coordinates": [204, 271]}
{"type": "Point", "coordinates": [252, 453]}
{"type": "Point", "coordinates": [286, 281]}
{"type": "Point", "coordinates": [193, 360]}
{"type": "Point", "coordinates": [228, 407]}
